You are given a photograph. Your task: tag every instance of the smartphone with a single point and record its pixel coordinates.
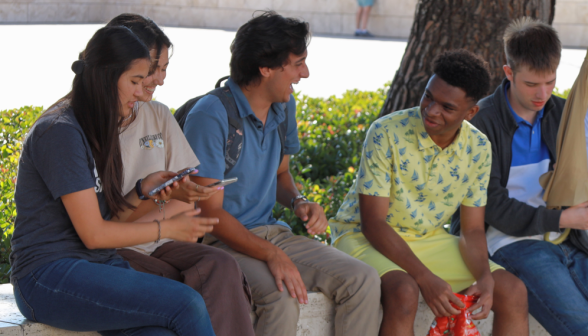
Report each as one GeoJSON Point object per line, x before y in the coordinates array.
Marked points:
{"type": "Point", "coordinates": [222, 183]}
{"type": "Point", "coordinates": [172, 180]}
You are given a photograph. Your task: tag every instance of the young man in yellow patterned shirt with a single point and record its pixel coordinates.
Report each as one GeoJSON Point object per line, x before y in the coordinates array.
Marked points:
{"type": "Point", "coordinates": [418, 167]}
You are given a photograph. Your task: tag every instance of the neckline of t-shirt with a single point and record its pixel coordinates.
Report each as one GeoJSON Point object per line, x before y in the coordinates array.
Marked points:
{"type": "Point", "coordinates": [137, 120]}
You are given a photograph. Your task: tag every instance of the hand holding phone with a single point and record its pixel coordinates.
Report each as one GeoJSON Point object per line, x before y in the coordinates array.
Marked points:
{"type": "Point", "coordinates": [171, 181]}
{"type": "Point", "coordinates": [223, 183]}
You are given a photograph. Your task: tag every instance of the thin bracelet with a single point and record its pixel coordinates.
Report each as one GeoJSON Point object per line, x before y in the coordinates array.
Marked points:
{"type": "Point", "coordinates": [158, 230]}
{"type": "Point", "coordinates": [161, 204]}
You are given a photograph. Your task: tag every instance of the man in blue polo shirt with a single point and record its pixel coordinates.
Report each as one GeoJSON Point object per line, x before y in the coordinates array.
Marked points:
{"type": "Point", "coordinates": [268, 57]}
{"type": "Point", "coordinates": [521, 119]}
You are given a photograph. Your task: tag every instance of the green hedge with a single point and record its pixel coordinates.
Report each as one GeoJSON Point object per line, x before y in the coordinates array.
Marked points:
{"type": "Point", "coordinates": [331, 133]}
{"type": "Point", "coordinates": [15, 124]}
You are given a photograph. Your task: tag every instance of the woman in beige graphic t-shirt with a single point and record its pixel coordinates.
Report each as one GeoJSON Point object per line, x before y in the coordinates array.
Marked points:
{"type": "Point", "coordinates": [151, 140]}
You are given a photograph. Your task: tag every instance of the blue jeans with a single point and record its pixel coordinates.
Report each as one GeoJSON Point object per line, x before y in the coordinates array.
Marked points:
{"type": "Point", "coordinates": [556, 277]}
{"type": "Point", "coordinates": [78, 295]}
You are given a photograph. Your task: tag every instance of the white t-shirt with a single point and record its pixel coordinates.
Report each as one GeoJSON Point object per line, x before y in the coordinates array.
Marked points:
{"type": "Point", "coordinates": [153, 142]}
{"type": "Point", "coordinates": [523, 186]}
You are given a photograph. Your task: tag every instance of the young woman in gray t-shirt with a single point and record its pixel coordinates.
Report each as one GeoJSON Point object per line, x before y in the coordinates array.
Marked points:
{"type": "Point", "coordinates": [71, 211]}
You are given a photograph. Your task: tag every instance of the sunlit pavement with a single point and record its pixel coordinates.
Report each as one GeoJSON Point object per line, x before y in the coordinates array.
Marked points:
{"type": "Point", "coordinates": [36, 61]}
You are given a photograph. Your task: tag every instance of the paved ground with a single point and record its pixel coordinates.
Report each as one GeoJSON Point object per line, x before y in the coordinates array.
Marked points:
{"type": "Point", "coordinates": [36, 60]}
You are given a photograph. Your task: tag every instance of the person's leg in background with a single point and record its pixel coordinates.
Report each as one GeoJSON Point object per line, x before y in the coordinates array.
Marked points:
{"type": "Point", "coordinates": [362, 17]}
{"type": "Point", "coordinates": [358, 17]}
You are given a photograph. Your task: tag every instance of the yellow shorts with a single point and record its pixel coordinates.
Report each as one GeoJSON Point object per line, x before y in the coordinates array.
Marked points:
{"type": "Point", "coordinates": [438, 252]}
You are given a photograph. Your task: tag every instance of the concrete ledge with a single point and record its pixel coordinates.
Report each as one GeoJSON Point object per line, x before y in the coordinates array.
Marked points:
{"type": "Point", "coordinates": [316, 319]}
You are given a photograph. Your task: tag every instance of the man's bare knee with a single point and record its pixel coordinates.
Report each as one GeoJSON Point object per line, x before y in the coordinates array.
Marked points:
{"type": "Point", "coordinates": [400, 290]}
{"type": "Point", "coordinates": [509, 291]}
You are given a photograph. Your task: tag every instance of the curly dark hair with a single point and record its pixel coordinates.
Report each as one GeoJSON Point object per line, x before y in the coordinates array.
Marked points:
{"type": "Point", "coordinates": [465, 70]}
{"type": "Point", "coordinates": [266, 41]}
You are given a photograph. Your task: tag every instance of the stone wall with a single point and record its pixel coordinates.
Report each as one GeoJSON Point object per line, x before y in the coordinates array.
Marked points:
{"type": "Point", "coordinates": [571, 22]}
{"type": "Point", "coordinates": [390, 18]}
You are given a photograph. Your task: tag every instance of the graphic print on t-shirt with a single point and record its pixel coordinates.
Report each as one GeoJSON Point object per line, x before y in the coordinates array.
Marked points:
{"type": "Point", "coordinates": [98, 187]}
{"type": "Point", "coordinates": [151, 141]}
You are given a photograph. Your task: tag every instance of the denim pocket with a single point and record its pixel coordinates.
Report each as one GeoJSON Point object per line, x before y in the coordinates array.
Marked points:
{"type": "Point", "coordinates": [25, 309]}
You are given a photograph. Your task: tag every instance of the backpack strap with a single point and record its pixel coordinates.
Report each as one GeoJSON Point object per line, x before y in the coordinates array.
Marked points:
{"type": "Point", "coordinates": [220, 81]}
{"type": "Point", "coordinates": [182, 113]}
{"type": "Point", "coordinates": [234, 143]}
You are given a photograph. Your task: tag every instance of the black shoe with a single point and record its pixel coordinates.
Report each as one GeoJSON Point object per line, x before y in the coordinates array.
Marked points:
{"type": "Point", "coordinates": [367, 34]}
{"type": "Point", "coordinates": [358, 33]}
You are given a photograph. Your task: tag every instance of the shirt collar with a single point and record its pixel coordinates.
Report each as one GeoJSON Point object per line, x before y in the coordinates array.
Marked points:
{"type": "Point", "coordinates": [244, 107]}
{"type": "Point", "coordinates": [240, 99]}
{"type": "Point", "coordinates": [518, 119]}
{"type": "Point", "coordinates": [425, 141]}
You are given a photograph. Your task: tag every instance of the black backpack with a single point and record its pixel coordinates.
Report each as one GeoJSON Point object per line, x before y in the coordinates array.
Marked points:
{"type": "Point", "coordinates": [235, 138]}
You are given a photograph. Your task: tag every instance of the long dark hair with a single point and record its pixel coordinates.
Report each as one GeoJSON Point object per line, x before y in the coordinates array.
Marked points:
{"type": "Point", "coordinates": [96, 105]}
{"type": "Point", "coordinates": [147, 30]}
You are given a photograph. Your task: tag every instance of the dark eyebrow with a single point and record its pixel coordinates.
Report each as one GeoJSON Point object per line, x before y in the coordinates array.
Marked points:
{"type": "Point", "coordinates": [446, 104]}
{"type": "Point", "coordinates": [142, 77]}
{"type": "Point", "coordinates": [300, 59]}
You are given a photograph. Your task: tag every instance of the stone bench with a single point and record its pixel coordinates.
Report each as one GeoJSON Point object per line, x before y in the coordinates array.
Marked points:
{"type": "Point", "coordinates": [316, 319]}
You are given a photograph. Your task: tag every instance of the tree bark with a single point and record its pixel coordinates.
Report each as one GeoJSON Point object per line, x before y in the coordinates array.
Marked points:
{"type": "Point", "coordinates": [441, 25]}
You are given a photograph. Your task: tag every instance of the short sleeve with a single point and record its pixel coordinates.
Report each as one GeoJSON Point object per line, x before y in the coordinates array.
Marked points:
{"type": "Point", "coordinates": [206, 133]}
{"type": "Point", "coordinates": [477, 194]}
{"type": "Point", "coordinates": [292, 145]}
{"type": "Point", "coordinates": [60, 155]}
{"type": "Point", "coordinates": [373, 178]}
{"type": "Point", "coordinates": [179, 154]}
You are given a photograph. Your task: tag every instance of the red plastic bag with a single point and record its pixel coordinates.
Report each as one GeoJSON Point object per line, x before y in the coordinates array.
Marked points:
{"type": "Point", "coordinates": [456, 325]}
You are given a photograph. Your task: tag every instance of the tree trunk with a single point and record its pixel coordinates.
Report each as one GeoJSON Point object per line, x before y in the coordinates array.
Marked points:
{"type": "Point", "coordinates": [440, 25]}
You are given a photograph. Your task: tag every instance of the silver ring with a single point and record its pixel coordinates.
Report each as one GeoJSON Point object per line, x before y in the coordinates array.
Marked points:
{"type": "Point", "coordinates": [197, 187]}
{"type": "Point", "coordinates": [198, 199]}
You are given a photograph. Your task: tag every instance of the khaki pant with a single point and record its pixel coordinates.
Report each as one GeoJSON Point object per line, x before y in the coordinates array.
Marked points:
{"type": "Point", "coordinates": [351, 284]}
{"type": "Point", "coordinates": [211, 272]}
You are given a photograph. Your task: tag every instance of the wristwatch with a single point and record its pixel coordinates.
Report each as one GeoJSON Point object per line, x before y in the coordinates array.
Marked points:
{"type": "Point", "coordinates": [302, 197]}
{"type": "Point", "coordinates": [139, 191]}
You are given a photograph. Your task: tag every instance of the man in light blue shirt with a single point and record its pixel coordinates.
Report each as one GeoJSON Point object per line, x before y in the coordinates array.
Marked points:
{"type": "Point", "coordinates": [268, 57]}
{"type": "Point", "coordinates": [251, 199]}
